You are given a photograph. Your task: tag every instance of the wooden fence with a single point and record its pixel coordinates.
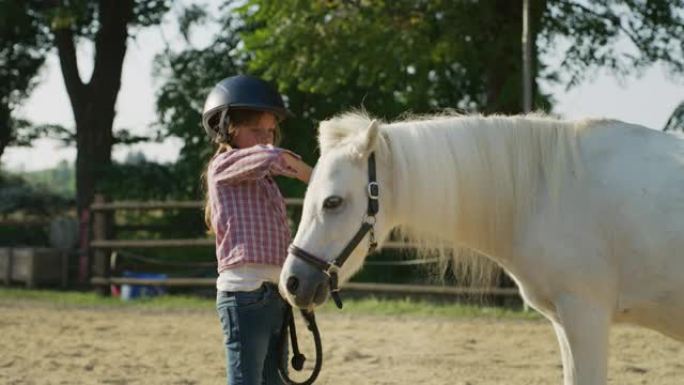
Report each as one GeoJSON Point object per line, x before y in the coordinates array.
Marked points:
{"type": "Point", "coordinates": [102, 248]}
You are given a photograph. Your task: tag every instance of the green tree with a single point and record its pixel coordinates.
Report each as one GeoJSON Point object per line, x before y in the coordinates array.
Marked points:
{"type": "Point", "coordinates": [188, 76]}
{"type": "Point", "coordinates": [106, 23]}
{"type": "Point", "coordinates": [23, 45]}
{"type": "Point", "coordinates": [59, 180]}
{"type": "Point", "coordinates": [406, 55]}
{"type": "Point", "coordinates": [464, 54]}
{"type": "Point", "coordinates": [400, 55]}
{"type": "Point", "coordinates": [25, 207]}
{"type": "Point", "coordinates": [623, 36]}
{"type": "Point", "coordinates": [17, 195]}
{"type": "Point", "coordinates": [676, 120]}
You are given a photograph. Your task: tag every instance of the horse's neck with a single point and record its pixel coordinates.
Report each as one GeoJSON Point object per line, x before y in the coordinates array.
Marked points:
{"type": "Point", "coordinates": [463, 181]}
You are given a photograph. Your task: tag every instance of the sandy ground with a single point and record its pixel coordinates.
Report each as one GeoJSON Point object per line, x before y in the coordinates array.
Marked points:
{"type": "Point", "coordinates": [45, 344]}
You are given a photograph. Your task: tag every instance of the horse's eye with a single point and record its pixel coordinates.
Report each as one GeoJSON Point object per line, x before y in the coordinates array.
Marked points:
{"type": "Point", "coordinates": [332, 202]}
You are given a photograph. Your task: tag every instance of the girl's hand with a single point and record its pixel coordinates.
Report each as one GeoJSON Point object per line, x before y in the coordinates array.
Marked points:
{"type": "Point", "coordinates": [302, 171]}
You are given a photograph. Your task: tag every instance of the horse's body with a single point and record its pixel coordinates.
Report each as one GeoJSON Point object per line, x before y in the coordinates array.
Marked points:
{"type": "Point", "coordinates": [587, 217]}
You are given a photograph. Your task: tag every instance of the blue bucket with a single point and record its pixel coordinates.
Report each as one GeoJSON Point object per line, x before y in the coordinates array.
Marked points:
{"type": "Point", "coordinates": [129, 292]}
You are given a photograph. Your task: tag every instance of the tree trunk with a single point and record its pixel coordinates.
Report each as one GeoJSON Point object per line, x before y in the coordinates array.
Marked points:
{"type": "Point", "coordinates": [5, 128]}
{"type": "Point", "coordinates": [94, 146]}
{"type": "Point", "coordinates": [93, 102]}
{"type": "Point", "coordinates": [504, 66]}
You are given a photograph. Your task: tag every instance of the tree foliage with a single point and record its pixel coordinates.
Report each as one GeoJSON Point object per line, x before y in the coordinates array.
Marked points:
{"type": "Point", "coordinates": [107, 25]}
{"type": "Point", "coordinates": [23, 45]}
{"type": "Point", "coordinates": [188, 77]}
{"type": "Point", "coordinates": [462, 54]}
{"type": "Point", "coordinates": [393, 57]}
{"type": "Point", "coordinates": [18, 195]}
{"type": "Point", "coordinates": [26, 37]}
{"type": "Point", "coordinates": [676, 120]}
{"type": "Point", "coordinates": [622, 36]}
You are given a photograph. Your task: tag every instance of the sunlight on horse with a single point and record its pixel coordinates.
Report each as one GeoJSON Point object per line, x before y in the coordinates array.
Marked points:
{"type": "Point", "coordinates": [587, 217]}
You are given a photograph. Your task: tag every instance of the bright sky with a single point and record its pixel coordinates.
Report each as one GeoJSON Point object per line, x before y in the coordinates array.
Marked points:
{"type": "Point", "coordinates": [648, 100]}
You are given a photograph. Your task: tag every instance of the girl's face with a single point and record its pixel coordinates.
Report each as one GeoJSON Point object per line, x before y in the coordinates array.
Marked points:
{"type": "Point", "coordinates": [261, 131]}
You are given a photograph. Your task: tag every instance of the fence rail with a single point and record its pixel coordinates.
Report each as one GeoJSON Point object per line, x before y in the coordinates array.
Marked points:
{"type": "Point", "coordinates": [101, 245]}
{"type": "Point", "coordinates": [150, 243]}
{"type": "Point", "coordinates": [167, 205]}
{"type": "Point", "coordinates": [350, 286]}
{"type": "Point", "coordinates": [190, 242]}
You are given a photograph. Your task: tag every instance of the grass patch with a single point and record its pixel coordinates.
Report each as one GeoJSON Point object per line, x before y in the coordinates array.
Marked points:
{"type": "Point", "coordinates": [401, 307]}
{"type": "Point", "coordinates": [369, 306]}
{"type": "Point", "coordinates": [93, 300]}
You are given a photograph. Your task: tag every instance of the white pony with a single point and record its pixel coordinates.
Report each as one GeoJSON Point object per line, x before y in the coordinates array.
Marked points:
{"type": "Point", "coordinates": [587, 217]}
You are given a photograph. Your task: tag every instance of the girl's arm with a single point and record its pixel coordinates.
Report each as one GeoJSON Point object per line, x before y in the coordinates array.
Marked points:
{"type": "Point", "coordinates": [250, 164]}
{"type": "Point", "coordinates": [301, 169]}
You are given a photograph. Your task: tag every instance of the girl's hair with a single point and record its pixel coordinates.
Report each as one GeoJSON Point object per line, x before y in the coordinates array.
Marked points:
{"type": "Point", "coordinates": [237, 118]}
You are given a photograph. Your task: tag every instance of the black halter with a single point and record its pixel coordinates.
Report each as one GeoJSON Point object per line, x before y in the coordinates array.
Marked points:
{"type": "Point", "coordinates": [367, 226]}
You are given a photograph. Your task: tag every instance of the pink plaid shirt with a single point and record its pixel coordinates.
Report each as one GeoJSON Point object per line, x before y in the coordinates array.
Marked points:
{"type": "Point", "coordinates": [248, 211]}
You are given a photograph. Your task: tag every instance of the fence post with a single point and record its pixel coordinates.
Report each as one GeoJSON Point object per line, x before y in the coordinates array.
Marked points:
{"type": "Point", "coordinates": [84, 234]}
{"type": "Point", "coordinates": [8, 264]}
{"type": "Point", "coordinates": [100, 233]}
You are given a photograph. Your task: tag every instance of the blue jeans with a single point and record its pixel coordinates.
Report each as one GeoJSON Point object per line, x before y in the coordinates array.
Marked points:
{"type": "Point", "coordinates": [251, 323]}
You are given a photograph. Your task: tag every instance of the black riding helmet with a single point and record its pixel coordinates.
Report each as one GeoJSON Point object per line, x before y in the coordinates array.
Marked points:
{"type": "Point", "coordinates": [239, 92]}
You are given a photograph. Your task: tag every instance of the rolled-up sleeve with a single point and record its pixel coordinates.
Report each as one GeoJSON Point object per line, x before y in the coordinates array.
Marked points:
{"type": "Point", "coordinates": [252, 163]}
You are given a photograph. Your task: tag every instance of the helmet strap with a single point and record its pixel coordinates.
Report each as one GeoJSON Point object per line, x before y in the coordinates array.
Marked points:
{"type": "Point", "coordinates": [222, 128]}
{"type": "Point", "coordinates": [225, 119]}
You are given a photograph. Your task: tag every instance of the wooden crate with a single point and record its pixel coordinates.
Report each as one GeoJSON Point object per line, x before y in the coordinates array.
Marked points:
{"type": "Point", "coordinates": [33, 266]}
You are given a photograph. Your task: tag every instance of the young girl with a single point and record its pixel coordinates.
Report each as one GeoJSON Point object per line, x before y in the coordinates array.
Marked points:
{"type": "Point", "coordinates": [247, 213]}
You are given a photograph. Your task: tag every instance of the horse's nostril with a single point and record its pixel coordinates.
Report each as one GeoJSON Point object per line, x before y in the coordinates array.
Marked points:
{"type": "Point", "coordinates": [292, 285]}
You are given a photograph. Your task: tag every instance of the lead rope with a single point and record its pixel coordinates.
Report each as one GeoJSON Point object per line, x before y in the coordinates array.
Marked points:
{"type": "Point", "coordinates": [298, 358]}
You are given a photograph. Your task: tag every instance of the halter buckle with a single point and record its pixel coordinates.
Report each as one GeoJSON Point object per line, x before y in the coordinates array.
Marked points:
{"type": "Point", "coordinates": [373, 190]}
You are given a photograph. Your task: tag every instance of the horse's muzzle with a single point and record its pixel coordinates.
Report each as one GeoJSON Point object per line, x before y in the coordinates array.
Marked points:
{"type": "Point", "coordinates": [302, 285]}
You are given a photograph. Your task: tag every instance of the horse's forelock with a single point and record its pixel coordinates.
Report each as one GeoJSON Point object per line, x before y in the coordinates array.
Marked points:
{"type": "Point", "coordinates": [342, 130]}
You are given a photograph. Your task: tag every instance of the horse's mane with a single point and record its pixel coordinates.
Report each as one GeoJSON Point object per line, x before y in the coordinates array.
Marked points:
{"type": "Point", "coordinates": [474, 175]}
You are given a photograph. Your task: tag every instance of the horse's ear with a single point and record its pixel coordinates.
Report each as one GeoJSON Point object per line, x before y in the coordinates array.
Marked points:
{"type": "Point", "coordinates": [369, 138]}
